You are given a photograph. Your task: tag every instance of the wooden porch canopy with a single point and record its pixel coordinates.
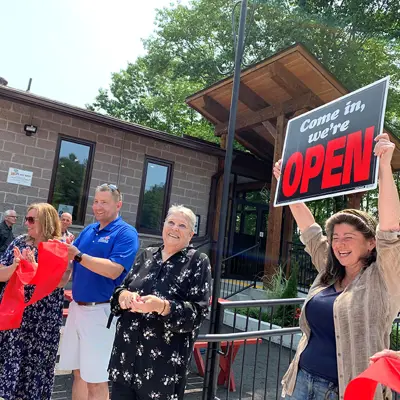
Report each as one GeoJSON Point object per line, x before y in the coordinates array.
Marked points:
{"type": "Point", "coordinates": [287, 83]}
{"type": "Point", "coordinates": [284, 85]}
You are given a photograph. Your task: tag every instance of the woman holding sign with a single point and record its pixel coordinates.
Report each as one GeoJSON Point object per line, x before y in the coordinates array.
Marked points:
{"type": "Point", "coordinates": [348, 314]}
{"type": "Point", "coordinates": [28, 354]}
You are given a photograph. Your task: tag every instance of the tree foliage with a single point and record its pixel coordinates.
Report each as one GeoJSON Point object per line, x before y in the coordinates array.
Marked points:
{"type": "Point", "coordinates": [153, 199]}
{"type": "Point", "coordinates": [192, 47]}
{"type": "Point", "coordinates": [68, 188]}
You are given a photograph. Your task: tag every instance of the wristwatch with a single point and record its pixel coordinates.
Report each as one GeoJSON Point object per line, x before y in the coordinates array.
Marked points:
{"type": "Point", "coordinates": [78, 257]}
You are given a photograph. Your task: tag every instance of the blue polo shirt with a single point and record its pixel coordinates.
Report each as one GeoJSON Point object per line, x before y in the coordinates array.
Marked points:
{"type": "Point", "coordinates": [118, 242]}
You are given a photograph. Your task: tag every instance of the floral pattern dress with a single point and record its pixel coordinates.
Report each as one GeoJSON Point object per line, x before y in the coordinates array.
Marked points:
{"type": "Point", "coordinates": [28, 354]}
{"type": "Point", "coordinates": [151, 353]}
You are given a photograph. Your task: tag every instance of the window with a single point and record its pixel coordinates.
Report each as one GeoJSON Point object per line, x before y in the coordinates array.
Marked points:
{"type": "Point", "coordinates": [154, 195]}
{"type": "Point", "coordinates": [71, 175]}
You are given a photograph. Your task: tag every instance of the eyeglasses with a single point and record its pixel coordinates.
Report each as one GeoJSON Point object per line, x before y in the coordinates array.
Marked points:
{"type": "Point", "coordinates": [12, 216]}
{"type": "Point", "coordinates": [112, 187]}
{"type": "Point", "coordinates": [30, 220]}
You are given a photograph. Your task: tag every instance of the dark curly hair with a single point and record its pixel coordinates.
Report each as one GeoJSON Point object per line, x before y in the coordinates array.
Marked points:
{"type": "Point", "coordinates": [363, 223]}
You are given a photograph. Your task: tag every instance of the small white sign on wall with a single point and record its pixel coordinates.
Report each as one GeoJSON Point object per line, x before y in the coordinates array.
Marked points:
{"type": "Point", "coordinates": [64, 208]}
{"type": "Point", "coordinates": [19, 177]}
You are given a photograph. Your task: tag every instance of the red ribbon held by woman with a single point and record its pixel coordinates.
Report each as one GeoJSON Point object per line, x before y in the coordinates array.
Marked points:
{"type": "Point", "coordinates": [52, 263]}
{"type": "Point", "coordinates": [385, 371]}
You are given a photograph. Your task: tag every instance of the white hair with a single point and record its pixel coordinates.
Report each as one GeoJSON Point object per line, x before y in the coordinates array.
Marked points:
{"type": "Point", "coordinates": [8, 212]}
{"type": "Point", "coordinates": [187, 213]}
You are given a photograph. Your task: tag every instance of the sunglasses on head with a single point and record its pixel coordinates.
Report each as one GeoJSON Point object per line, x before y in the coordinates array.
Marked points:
{"type": "Point", "coordinates": [30, 220]}
{"type": "Point", "coordinates": [112, 187]}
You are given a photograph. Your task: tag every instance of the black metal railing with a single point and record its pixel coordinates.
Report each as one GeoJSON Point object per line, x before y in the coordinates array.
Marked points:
{"type": "Point", "coordinates": [306, 271]}
{"type": "Point", "coordinates": [254, 351]}
{"type": "Point", "coordinates": [236, 270]}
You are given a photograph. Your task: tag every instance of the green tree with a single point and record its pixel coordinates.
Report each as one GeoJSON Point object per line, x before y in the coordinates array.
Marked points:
{"type": "Point", "coordinates": [192, 47]}
{"type": "Point", "coordinates": [153, 199]}
{"type": "Point", "coordinates": [69, 186]}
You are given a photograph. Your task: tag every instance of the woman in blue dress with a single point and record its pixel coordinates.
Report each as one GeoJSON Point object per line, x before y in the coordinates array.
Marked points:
{"type": "Point", "coordinates": [28, 354]}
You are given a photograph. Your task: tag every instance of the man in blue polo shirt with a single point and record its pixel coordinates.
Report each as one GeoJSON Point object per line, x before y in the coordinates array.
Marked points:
{"type": "Point", "coordinates": [102, 256]}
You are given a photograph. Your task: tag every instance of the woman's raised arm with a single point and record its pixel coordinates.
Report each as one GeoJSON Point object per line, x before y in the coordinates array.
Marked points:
{"type": "Point", "coordinates": [301, 213]}
{"type": "Point", "coordinates": [388, 200]}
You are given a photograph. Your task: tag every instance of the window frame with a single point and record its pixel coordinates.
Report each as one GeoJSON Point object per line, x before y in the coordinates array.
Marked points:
{"type": "Point", "coordinates": [167, 194]}
{"type": "Point", "coordinates": [86, 183]}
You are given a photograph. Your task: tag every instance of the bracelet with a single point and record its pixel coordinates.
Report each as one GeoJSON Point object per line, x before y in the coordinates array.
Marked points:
{"type": "Point", "coordinates": [165, 304]}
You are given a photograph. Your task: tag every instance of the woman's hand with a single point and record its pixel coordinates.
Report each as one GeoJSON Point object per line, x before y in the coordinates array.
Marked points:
{"type": "Point", "coordinates": [27, 254]}
{"type": "Point", "coordinates": [127, 299]}
{"type": "Point", "coordinates": [277, 169]}
{"type": "Point", "coordinates": [17, 258]}
{"type": "Point", "coordinates": [150, 304]}
{"type": "Point", "coordinates": [6, 272]}
{"type": "Point", "coordinates": [384, 149]}
{"type": "Point", "coordinates": [385, 353]}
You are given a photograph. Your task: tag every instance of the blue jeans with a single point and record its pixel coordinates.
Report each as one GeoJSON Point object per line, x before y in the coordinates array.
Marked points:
{"type": "Point", "coordinates": [312, 387]}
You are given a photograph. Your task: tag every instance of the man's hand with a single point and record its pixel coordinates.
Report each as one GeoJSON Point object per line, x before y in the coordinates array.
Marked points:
{"type": "Point", "coordinates": [72, 251]}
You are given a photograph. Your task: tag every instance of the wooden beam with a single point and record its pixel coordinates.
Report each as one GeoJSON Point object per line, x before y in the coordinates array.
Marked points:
{"type": "Point", "coordinates": [275, 213]}
{"type": "Point", "coordinates": [222, 142]}
{"type": "Point", "coordinates": [287, 81]}
{"type": "Point", "coordinates": [215, 109]}
{"type": "Point", "coordinates": [300, 112]}
{"type": "Point", "coordinates": [250, 118]}
{"type": "Point", "coordinates": [249, 146]}
{"type": "Point", "coordinates": [264, 133]}
{"type": "Point", "coordinates": [250, 98]}
{"type": "Point", "coordinates": [270, 128]}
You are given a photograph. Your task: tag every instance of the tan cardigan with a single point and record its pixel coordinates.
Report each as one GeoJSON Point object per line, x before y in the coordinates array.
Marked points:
{"type": "Point", "coordinates": [363, 313]}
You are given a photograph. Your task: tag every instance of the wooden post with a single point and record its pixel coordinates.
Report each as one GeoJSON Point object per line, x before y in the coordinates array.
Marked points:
{"type": "Point", "coordinates": [287, 238]}
{"type": "Point", "coordinates": [354, 200]}
{"type": "Point", "coordinates": [275, 213]}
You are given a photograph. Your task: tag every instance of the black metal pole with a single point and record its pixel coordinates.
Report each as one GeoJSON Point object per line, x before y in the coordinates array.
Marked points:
{"type": "Point", "coordinates": [212, 367]}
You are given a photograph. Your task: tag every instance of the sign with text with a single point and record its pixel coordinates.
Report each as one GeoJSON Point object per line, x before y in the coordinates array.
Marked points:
{"type": "Point", "coordinates": [329, 150]}
{"type": "Point", "coordinates": [64, 208]}
{"type": "Point", "coordinates": [19, 177]}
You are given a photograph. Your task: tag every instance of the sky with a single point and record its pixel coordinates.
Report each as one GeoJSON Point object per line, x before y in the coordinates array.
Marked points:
{"type": "Point", "coordinates": [70, 47]}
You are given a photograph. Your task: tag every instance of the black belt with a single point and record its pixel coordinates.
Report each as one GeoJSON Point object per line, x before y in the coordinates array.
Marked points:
{"type": "Point", "coordinates": [91, 303]}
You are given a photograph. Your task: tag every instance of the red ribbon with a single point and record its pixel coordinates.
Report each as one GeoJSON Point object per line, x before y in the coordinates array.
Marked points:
{"type": "Point", "coordinates": [385, 371]}
{"type": "Point", "coordinates": [52, 263]}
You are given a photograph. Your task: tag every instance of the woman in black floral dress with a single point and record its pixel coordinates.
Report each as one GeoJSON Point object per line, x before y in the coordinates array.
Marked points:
{"type": "Point", "coordinates": [162, 303]}
{"type": "Point", "coordinates": [28, 354]}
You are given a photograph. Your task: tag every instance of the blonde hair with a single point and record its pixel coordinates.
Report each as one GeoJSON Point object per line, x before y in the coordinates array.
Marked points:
{"type": "Point", "coordinates": [187, 213]}
{"type": "Point", "coordinates": [48, 219]}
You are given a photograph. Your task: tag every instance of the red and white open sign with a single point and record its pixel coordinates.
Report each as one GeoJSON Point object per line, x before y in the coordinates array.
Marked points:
{"type": "Point", "coordinates": [329, 150]}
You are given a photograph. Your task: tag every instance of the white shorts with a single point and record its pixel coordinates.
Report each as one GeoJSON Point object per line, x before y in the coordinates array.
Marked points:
{"type": "Point", "coordinates": [86, 343]}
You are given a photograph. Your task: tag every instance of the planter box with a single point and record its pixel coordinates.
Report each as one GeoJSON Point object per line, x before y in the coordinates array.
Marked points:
{"type": "Point", "coordinates": [253, 325]}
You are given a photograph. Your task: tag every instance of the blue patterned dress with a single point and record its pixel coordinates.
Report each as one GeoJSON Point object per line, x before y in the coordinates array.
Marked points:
{"type": "Point", "coordinates": [28, 354]}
